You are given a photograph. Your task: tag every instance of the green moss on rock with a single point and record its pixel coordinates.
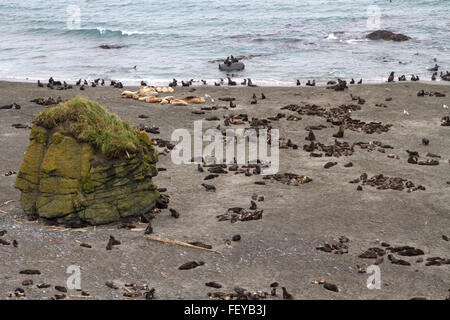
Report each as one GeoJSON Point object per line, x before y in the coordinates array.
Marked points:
{"type": "Point", "coordinates": [85, 165]}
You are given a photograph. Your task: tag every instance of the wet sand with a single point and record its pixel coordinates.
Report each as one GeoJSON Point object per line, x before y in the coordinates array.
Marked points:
{"type": "Point", "coordinates": [282, 245]}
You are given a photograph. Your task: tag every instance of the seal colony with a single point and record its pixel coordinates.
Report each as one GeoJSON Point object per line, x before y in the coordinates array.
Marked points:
{"type": "Point", "coordinates": [328, 138]}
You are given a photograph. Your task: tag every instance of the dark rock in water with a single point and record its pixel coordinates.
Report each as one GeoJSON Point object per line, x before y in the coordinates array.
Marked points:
{"type": "Point", "coordinates": [235, 66]}
{"type": "Point", "coordinates": [387, 35]}
{"type": "Point", "coordinates": [111, 46]}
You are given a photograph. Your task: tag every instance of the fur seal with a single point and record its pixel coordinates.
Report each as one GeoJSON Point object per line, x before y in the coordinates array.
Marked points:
{"type": "Point", "coordinates": [435, 68]}
{"type": "Point", "coordinates": [173, 83]}
{"type": "Point", "coordinates": [352, 81]}
{"type": "Point", "coordinates": [391, 77]}
{"type": "Point", "coordinates": [231, 82]}
{"type": "Point", "coordinates": [40, 85]}
{"type": "Point", "coordinates": [360, 81]}
{"type": "Point", "coordinates": [298, 83]}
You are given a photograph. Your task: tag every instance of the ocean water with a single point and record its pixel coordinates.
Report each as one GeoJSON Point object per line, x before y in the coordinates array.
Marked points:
{"type": "Point", "coordinates": [288, 39]}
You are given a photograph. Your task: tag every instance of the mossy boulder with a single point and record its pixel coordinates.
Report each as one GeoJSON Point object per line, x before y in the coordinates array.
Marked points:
{"type": "Point", "coordinates": [86, 166]}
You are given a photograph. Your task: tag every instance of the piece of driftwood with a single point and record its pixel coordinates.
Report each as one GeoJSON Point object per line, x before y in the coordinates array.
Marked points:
{"type": "Point", "coordinates": [180, 243]}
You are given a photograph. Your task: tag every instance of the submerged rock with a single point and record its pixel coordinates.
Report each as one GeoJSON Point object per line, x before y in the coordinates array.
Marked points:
{"type": "Point", "coordinates": [235, 66]}
{"type": "Point", "coordinates": [387, 35]}
{"type": "Point", "coordinates": [85, 165]}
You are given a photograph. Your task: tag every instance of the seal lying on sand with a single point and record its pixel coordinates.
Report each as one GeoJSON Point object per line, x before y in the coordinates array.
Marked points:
{"type": "Point", "coordinates": [150, 94]}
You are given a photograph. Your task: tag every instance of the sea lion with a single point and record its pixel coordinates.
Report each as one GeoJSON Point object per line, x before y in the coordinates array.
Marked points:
{"type": "Point", "coordinates": [192, 99]}
{"type": "Point", "coordinates": [127, 94]}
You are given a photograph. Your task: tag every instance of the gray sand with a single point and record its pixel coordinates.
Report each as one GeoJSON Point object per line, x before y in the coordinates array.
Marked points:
{"type": "Point", "coordinates": [297, 219]}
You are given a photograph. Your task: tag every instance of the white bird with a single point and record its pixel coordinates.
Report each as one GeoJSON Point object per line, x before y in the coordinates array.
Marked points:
{"type": "Point", "coordinates": [445, 107]}
{"type": "Point", "coordinates": [406, 113]}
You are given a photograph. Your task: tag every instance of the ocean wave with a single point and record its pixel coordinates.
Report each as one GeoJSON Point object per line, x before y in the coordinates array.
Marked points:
{"type": "Point", "coordinates": [98, 31]}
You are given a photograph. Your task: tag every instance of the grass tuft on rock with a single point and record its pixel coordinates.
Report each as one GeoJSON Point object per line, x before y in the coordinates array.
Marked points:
{"type": "Point", "coordinates": [89, 122]}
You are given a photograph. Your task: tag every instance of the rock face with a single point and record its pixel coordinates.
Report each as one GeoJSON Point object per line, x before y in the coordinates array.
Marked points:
{"type": "Point", "coordinates": [68, 178]}
{"type": "Point", "coordinates": [387, 35]}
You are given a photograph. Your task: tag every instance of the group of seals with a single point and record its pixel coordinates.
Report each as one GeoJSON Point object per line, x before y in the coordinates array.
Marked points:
{"type": "Point", "coordinates": [231, 64]}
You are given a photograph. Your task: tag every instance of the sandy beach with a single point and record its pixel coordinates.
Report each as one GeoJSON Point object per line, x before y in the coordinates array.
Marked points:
{"type": "Point", "coordinates": [282, 246]}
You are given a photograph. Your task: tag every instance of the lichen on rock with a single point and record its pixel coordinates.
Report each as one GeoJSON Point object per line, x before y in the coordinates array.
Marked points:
{"type": "Point", "coordinates": [86, 165]}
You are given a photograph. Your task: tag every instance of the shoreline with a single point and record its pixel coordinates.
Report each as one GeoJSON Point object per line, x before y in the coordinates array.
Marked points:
{"type": "Point", "coordinates": [197, 84]}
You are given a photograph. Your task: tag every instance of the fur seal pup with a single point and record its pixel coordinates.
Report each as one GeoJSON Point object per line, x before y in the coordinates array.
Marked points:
{"type": "Point", "coordinates": [185, 84]}
{"type": "Point", "coordinates": [433, 77]}
{"type": "Point", "coordinates": [217, 84]}
{"type": "Point", "coordinates": [143, 83]}
{"type": "Point", "coordinates": [262, 96]}
{"type": "Point", "coordinates": [340, 133]}
{"type": "Point", "coordinates": [298, 83]}
{"type": "Point", "coordinates": [40, 85]}
{"type": "Point", "coordinates": [391, 77]}
{"type": "Point", "coordinates": [82, 87]}
{"type": "Point", "coordinates": [244, 83]}
{"type": "Point", "coordinates": [78, 82]}
{"type": "Point", "coordinates": [103, 82]}
{"type": "Point", "coordinates": [286, 295]}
